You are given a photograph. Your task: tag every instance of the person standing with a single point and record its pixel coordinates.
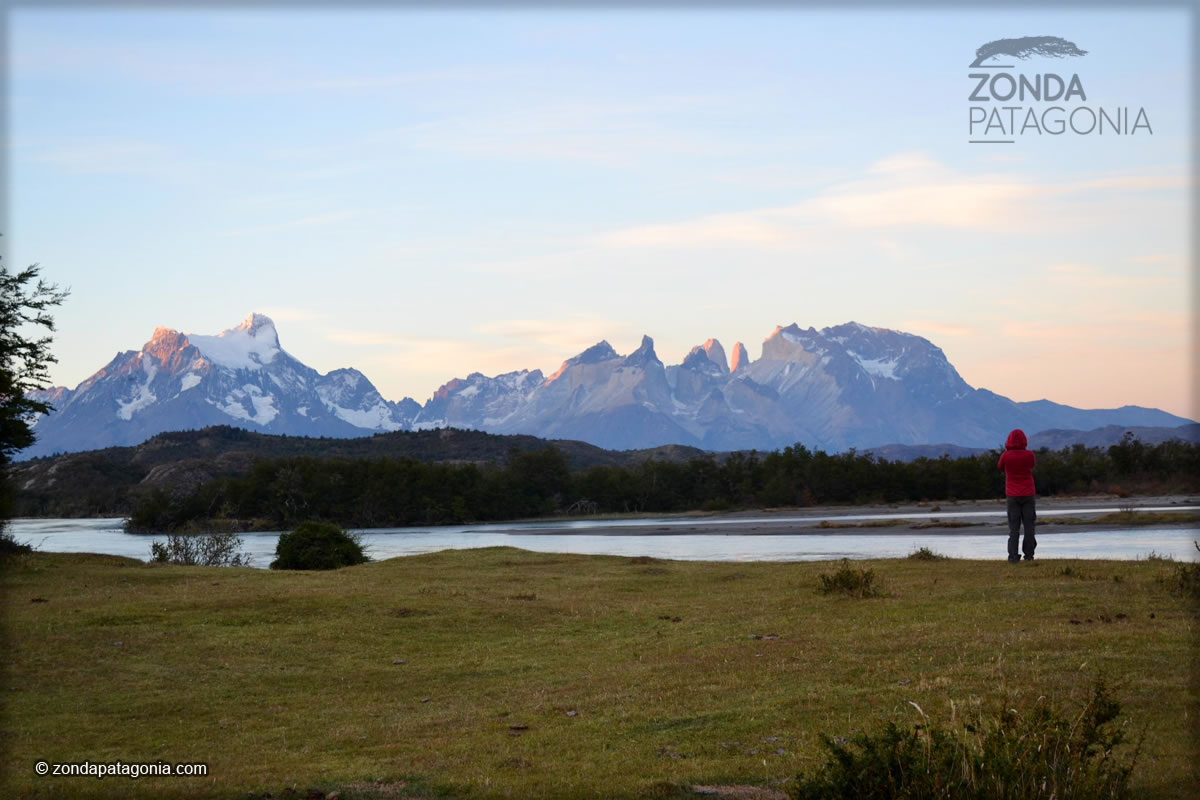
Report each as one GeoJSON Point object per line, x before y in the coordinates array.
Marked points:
{"type": "Point", "coordinates": [1017, 463]}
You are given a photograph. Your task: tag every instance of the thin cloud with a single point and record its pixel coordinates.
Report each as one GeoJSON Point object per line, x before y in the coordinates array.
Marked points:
{"type": "Point", "coordinates": [1156, 258]}
{"type": "Point", "coordinates": [293, 314]}
{"type": "Point", "coordinates": [114, 158]}
{"type": "Point", "coordinates": [315, 220]}
{"type": "Point", "coordinates": [1086, 276]}
{"type": "Point", "coordinates": [555, 335]}
{"type": "Point", "coordinates": [764, 227]}
{"type": "Point", "coordinates": [938, 329]}
{"type": "Point", "coordinates": [907, 191]}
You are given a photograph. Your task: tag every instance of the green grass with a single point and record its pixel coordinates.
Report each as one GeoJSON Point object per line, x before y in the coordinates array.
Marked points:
{"type": "Point", "coordinates": [629, 675]}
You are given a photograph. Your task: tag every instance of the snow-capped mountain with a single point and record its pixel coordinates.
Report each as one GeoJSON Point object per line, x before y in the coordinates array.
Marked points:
{"type": "Point", "coordinates": [239, 377]}
{"type": "Point", "coordinates": [840, 387]}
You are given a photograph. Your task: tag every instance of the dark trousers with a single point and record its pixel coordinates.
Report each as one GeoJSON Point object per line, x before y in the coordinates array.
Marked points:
{"type": "Point", "coordinates": [1021, 511]}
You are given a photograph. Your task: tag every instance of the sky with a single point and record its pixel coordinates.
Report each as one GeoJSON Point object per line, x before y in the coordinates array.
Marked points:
{"type": "Point", "coordinates": [422, 194]}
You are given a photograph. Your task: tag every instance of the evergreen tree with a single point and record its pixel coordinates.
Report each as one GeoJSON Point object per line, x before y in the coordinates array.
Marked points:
{"type": "Point", "coordinates": [25, 301]}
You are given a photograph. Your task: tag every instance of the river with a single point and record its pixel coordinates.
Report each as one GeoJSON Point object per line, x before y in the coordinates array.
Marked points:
{"type": "Point", "coordinates": [772, 539]}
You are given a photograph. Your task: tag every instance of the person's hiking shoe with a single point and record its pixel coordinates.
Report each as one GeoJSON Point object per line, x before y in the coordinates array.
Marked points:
{"type": "Point", "coordinates": [1029, 558]}
{"type": "Point", "coordinates": [1014, 560]}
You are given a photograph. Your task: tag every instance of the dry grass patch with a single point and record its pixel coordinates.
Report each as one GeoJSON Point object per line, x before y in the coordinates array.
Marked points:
{"type": "Point", "coordinates": [872, 523]}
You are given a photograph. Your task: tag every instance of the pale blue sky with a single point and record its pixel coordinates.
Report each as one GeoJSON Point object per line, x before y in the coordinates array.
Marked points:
{"type": "Point", "coordinates": [422, 194]}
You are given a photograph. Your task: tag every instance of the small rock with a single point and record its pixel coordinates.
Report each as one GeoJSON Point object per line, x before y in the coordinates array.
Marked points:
{"type": "Point", "coordinates": [518, 727]}
{"type": "Point", "coordinates": [781, 752]}
{"type": "Point", "coordinates": [426, 699]}
{"type": "Point", "coordinates": [397, 660]}
{"type": "Point", "coordinates": [38, 600]}
{"type": "Point", "coordinates": [572, 713]}
{"type": "Point", "coordinates": [117, 644]}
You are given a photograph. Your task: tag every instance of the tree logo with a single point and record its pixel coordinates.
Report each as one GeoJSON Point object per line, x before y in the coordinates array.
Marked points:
{"type": "Point", "coordinates": [1023, 48]}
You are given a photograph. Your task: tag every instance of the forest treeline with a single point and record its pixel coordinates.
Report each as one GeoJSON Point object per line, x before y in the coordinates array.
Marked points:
{"type": "Point", "coordinates": [385, 492]}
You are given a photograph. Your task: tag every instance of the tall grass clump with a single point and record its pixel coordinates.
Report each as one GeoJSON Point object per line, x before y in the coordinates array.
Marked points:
{"type": "Point", "coordinates": [1039, 752]}
{"type": "Point", "coordinates": [850, 581]}
{"type": "Point", "coordinates": [318, 545]}
{"type": "Point", "coordinates": [210, 549]}
{"type": "Point", "coordinates": [1187, 577]}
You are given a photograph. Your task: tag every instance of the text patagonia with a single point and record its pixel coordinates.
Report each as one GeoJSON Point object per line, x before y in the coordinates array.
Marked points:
{"type": "Point", "coordinates": [1011, 120]}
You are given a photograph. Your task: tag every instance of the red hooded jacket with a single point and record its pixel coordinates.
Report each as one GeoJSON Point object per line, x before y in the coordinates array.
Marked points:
{"type": "Point", "coordinates": [1017, 464]}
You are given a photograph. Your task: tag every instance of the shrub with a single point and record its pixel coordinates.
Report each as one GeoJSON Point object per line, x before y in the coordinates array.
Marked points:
{"type": "Point", "coordinates": [1039, 752]}
{"type": "Point", "coordinates": [9, 546]}
{"type": "Point", "coordinates": [853, 582]}
{"type": "Point", "coordinates": [925, 554]}
{"type": "Point", "coordinates": [317, 545]}
{"type": "Point", "coordinates": [209, 549]}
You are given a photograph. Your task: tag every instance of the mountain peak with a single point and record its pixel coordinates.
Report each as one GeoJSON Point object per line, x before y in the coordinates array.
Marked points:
{"type": "Point", "coordinates": [255, 324]}
{"type": "Point", "coordinates": [741, 358]}
{"type": "Point", "coordinates": [599, 352]}
{"type": "Point", "coordinates": [254, 321]}
{"type": "Point", "coordinates": [708, 358]}
{"type": "Point", "coordinates": [716, 354]}
{"type": "Point", "coordinates": [643, 355]}
{"type": "Point", "coordinates": [164, 343]}
{"type": "Point", "coordinates": [250, 345]}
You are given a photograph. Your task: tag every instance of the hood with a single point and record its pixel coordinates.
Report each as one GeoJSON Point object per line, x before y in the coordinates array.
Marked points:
{"type": "Point", "coordinates": [1016, 440]}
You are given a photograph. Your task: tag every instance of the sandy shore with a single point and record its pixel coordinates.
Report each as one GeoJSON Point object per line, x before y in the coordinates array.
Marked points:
{"type": "Point", "coordinates": [946, 517]}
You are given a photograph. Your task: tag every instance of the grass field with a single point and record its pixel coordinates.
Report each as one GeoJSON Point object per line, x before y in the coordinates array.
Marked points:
{"type": "Point", "coordinates": [503, 673]}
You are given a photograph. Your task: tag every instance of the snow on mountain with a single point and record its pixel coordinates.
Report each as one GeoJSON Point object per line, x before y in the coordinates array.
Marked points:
{"type": "Point", "coordinates": [251, 345]}
{"type": "Point", "coordinates": [478, 401]}
{"type": "Point", "coordinates": [241, 377]}
{"type": "Point", "coordinates": [846, 386]}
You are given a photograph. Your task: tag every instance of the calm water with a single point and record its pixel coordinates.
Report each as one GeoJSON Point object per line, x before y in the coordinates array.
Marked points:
{"type": "Point", "coordinates": [606, 538]}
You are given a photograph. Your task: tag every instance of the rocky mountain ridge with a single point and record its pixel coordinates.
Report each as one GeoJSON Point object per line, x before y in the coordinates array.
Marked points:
{"type": "Point", "coordinates": [839, 387]}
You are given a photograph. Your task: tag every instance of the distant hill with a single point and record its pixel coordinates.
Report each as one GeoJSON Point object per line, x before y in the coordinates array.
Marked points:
{"type": "Point", "coordinates": [100, 482]}
{"type": "Point", "coordinates": [1053, 439]}
{"type": "Point", "coordinates": [107, 482]}
{"type": "Point", "coordinates": [1056, 439]}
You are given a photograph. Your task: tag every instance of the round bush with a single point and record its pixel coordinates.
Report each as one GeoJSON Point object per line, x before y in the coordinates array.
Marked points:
{"type": "Point", "coordinates": [317, 545]}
